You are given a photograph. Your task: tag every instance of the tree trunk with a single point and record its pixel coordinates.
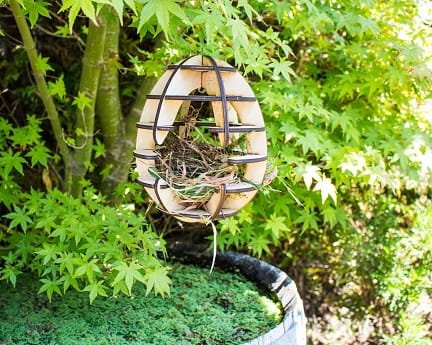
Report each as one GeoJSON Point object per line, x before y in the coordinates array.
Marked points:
{"type": "Point", "coordinates": [108, 105]}
{"type": "Point", "coordinates": [91, 70]}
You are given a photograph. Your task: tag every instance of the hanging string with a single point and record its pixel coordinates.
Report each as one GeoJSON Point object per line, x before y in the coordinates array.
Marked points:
{"type": "Point", "coordinates": [201, 40]}
{"type": "Point", "coordinates": [214, 246]}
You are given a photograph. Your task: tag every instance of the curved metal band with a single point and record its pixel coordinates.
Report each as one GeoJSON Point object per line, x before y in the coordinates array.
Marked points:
{"type": "Point", "coordinates": [162, 97]}
{"type": "Point", "coordinates": [223, 99]}
{"type": "Point", "coordinates": [222, 192]}
{"type": "Point", "coordinates": [155, 187]}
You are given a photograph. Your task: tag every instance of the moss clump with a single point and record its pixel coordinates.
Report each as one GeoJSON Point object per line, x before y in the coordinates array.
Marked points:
{"type": "Point", "coordinates": [221, 308]}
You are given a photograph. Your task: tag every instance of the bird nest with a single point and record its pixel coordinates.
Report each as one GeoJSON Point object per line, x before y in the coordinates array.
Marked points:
{"type": "Point", "coordinates": [192, 163]}
{"type": "Point", "coordinates": [194, 170]}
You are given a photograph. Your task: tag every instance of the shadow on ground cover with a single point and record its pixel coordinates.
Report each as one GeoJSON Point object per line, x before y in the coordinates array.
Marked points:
{"type": "Point", "coordinates": [221, 308]}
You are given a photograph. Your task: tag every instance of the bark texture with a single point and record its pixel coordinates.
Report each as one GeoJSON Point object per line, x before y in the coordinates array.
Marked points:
{"type": "Point", "coordinates": [89, 83]}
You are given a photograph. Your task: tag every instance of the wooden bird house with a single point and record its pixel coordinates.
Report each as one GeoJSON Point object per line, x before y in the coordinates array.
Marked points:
{"type": "Point", "coordinates": [201, 115]}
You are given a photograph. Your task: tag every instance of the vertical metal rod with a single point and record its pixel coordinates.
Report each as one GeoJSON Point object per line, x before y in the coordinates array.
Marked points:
{"type": "Point", "coordinates": [223, 100]}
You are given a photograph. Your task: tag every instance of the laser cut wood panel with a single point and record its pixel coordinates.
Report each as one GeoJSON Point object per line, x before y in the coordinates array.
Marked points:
{"type": "Point", "coordinates": [236, 112]}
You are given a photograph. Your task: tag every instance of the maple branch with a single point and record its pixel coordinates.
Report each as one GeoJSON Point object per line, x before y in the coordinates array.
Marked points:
{"type": "Point", "coordinates": [38, 74]}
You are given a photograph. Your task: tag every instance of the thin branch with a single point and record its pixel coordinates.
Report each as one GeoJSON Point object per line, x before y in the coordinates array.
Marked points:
{"type": "Point", "coordinates": [81, 44]}
{"type": "Point", "coordinates": [38, 74]}
{"type": "Point", "coordinates": [74, 34]}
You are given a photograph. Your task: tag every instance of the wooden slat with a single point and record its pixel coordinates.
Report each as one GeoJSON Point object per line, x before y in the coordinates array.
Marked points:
{"type": "Point", "coordinates": [232, 188]}
{"type": "Point", "coordinates": [247, 159]}
{"type": "Point", "coordinates": [202, 98]}
{"type": "Point", "coordinates": [201, 68]}
{"type": "Point", "coordinates": [145, 154]}
{"type": "Point", "coordinates": [149, 182]}
{"type": "Point", "coordinates": [211, 127]}
{"type": "Point", "coordinates": [241, 187]}
{"type": "Point", "coordinates": [150, 125]}
{"type": "Point", "coordinates": [198, 214]}
{"type": "Point", "coordinates": [237, 128]}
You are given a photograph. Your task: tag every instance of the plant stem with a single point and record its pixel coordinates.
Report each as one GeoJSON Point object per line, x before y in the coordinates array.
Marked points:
{"type": "Point", "coordinates": [108, 106]}
{"type": "Point", "coordinates": [91, 70]}
{"type": "Point", "coordinates": [41, 84]}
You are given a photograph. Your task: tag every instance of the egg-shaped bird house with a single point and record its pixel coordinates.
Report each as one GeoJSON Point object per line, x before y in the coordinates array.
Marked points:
{"type": "Point", "coordinates": [201, 148]}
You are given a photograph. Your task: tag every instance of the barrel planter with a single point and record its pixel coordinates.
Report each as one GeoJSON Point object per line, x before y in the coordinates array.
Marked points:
{"type": "Point", "coordinates": [292, 329]}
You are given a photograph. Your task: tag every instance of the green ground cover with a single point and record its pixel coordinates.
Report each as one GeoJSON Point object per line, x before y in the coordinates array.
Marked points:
{"type": "Point", "coordinates": [221, 308]}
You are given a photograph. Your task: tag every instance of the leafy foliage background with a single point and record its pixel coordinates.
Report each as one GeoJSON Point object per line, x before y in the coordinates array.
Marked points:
{"type": "Point", "coordinates": [345, 90]}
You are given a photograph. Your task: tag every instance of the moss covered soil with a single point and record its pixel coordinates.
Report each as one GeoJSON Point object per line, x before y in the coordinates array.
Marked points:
{"type": "Point", "coordinates": [221, 308]}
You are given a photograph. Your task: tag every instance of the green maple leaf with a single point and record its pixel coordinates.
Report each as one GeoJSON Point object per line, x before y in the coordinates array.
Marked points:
{"type": "Point", "coordinates": [66, 261]}
{"type": "Point", "coordinates": [158, 281]}
{"type": "Point", "coordinates": [49, 253]}
{"type": "Point", "coordinates": [10, 160]}
{"type": "Point", "coordinates": [63, 30]}
{"type": "Point", "coordinates": [249, 10]}
{"type": "Point", "coordinates": [75, 6]}
{"type": "Point", "coordinates": [310, 141]}
{"type": "Point", "coordinates": [34, 8]}
{"type": "Point", "coordinates": [99, 149]}
{"type": "Point", "coordinates": [57, 88]}
{"type": "Point", "coordinates": [10, 273]}
{"type": "Point", "coordinates": [68, 280]}
{"type": "Point", "coordinates": [260, 245]}
{"type": "Point", "coordinates": [340, 120]}
{"type": "Point", "coordinates": [39, 154]}
{"type": "Point", "coordinates": [19, 217]}
{"type": "Point", "coordinates": [330, 216]}
{"type": "Point", "coordinates": [281, 205]}
{"type": "Point", "coordinates": [5, 126]}
{"type": "Point", "coordinates": [212, 22]}
{"type": "Point", "coordinates": [87, 268]}
{"type": "Point", "coordinates": [95, 289]}
{"type": "Point", "coordinates": [162, 9]}
{"type": "Point", "coordinates": [353, 134]}
{"type": "Point", "coordinates": [60, 232]}
{"type": "Point", "coordinates": [82, 101]}
{"type": "Point", "coordinates": [230, 224]}
{"type": "Point", "coordinates": [282, 68]}
{"type": "Point", "coordinates": [290, 130]}
{"type": "Point", "coordinates": [280, 8]}
{"type": "Point", "coordinates": [346, 84]}
{"type": "Point", "coordinates": [308, 220]}
{"type": "Point", "coordinates": [239, 33]}
{"type": "Point", "coordinates": [50, 286]}
{"type": "Point", "coordinates": [118, 7]}
{"type": "Point", "coordinates": [22, 136]}
{"type": "Point", "coordinates": [42, 65]}
{"type": "Point", "coordinates": [276, 225]}
{"type": "Point", "coordinates": [128, 274]}
{"type": "Point", "coordinates": [47, 223]}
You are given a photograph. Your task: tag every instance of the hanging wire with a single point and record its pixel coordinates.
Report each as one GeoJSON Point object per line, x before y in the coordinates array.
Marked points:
{"type": "Point", "coordinates": [201, 40]}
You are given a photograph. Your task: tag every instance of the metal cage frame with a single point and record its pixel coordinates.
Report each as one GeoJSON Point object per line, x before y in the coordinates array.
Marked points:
{"type": "Point", "coordinates": [232, 99]}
